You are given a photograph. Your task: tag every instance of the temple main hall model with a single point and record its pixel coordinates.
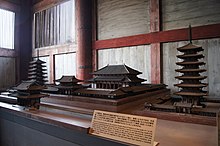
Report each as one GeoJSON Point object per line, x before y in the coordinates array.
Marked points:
{"type": "Point", "coordinates": [116, 81]}
{"type": "Point", "coordinates": [115, 76]}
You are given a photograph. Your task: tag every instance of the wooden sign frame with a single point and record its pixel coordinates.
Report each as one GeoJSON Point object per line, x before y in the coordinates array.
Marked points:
{"type": "Point", "coordinates": [132, 129]}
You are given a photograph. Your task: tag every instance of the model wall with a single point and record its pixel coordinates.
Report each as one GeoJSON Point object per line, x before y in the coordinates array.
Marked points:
{"type": "Point", "coordinates": [7, 72]}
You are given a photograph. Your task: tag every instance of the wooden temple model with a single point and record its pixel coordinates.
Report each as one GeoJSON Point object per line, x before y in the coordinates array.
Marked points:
{"type": "Point", "coordinates": [67, 85]}
{"type": "Point", "coordinates": [28, 93]}
{"type": "Point", "coordinates": [116, 81]}
{"type": "Point", "coordinates": [115, 76]}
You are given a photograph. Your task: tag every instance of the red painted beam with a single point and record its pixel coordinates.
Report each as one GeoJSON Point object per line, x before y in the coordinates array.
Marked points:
{"type": "Point", "coordinates": [199, 32]}
{"type": "Point", "coordinates": [155, 47]}
{"type": "Point", "coordinates": [7, 52]}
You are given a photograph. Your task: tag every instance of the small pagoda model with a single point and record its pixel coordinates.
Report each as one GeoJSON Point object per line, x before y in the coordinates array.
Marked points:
{"type": "Point", "coordinates": [191, 87]}
{"type": "Point", "coordinates": [37, 71]}
{"type": "Point", "coordinates": [115, 76]}
{"type": "Point", "coordinates": [68, 84]}
{"type": "Point", "coordinates": [28, 93]}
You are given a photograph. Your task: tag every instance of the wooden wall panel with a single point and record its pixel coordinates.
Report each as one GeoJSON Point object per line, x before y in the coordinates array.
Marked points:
{"type": "Point", "coordinates": [211, 53]}
{"type": "Point", "coordinates": [7, 72]}
{"type": "Point", "coordinates": [181, 13]}
{"type": "Point", "coordinates": [65, 64]}
{"type": "Point", "coordinates": [137, 57]}
{"type": "Point", "coordinates": [122, 18]}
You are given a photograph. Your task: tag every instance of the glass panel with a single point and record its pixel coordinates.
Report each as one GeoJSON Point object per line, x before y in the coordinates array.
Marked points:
{"type": "Point", "coordinates": [7, 25]}
{"type": "Point", "coordinates": [55, 26]}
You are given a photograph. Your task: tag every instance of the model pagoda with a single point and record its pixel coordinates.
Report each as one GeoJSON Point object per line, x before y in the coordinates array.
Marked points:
{"type": "Point", "coordinates": [28, 92]}
{"type": "Point", "coordinates": [37, 71]}
{"type": "Point", "coordinates": [191, 87]}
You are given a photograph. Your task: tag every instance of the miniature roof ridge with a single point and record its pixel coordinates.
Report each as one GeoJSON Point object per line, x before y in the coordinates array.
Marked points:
{"type": "Point", "coordinates": [68, 79]}
{"type": "Point", "coordinates": [189, 46]}
{"type": "Point", "coordinates": [116, 69]}
{"type": "Point", "coordinates": [133, 79]}
{"type": "Point", "coordinates": [37, 61]}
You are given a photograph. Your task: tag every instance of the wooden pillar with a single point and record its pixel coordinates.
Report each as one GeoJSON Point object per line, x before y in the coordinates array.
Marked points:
{"type": "Point", "coordinates": [25, 35]}
{"type": "Point", "coordinates": [84, 39]}
{"type": "Point", "coordinates": [94, 36]}
{"type": "Point", "coordinates": [155, 47]}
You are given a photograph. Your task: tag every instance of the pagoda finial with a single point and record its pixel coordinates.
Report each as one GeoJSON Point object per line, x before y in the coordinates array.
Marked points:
{"type": "Point", "coordinates": [190, 34]}
{"type": "Point", "coordinates": [37, 53]}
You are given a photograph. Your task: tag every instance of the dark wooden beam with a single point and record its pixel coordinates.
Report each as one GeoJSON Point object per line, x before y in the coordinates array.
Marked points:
{"type": "Point", "coordinates": [45, 4]}
{"type": "Point", "coordinates": [25, 38]}
{"type": "Point", "coordinates": [198, 32]}
{"type": "Point", "coordinates": [155, 47]}
{"type": "Point", "coordinates": [9, 6]}
{"type": "Point", "coordinates": [7, 52]}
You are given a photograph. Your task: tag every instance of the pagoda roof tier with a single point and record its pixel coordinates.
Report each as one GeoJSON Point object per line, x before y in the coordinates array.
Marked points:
{"type": "Point", "coordinates": [37, 65]}
{"type": "Point", "coordinates": [191, 77]}
{"type": "Point", "coordinates": [185, 56]}
{"type": "Point", "coordinates": [36, 69]}
{"type": "Point", "coordinates": [196, 94]}
{"type": "Point", "coordinates": [33, 96]}
{"type": "Point", "coordinates": [40, 80]}
{"type": "Point", "coordinates": [38, 61]}
{"type": "Point", "coordinates": [68, 79]}
{"type": "Point", "coordinates": [182, 85]}
{"type": "Point", "coordinates": [190, 70]}
{"type": "Point", "coordinates": [116, 70]}
{"type": "Point", "coordinates": [190, 46]}
{"type": "Point", "coordinates": [37, 73]}
{"type": "Point", "coordinates": [35, 76]}
{"type": "Point", "coordinates": [190, 63]}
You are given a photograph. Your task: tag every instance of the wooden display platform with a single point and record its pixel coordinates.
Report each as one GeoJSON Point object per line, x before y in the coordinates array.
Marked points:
{"type": "Point", "coordinates": [179, 117]}
{"type": "Point", "coordinates": [114, 105]}
{"type": "Point", "coordinates": [207, 116]}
